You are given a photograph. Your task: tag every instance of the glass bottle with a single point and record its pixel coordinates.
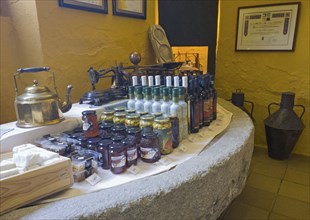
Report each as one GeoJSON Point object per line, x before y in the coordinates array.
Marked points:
{"type": "Point", "coordinates": [131, 102]}
{"type": "Point", "coordinates": [139, 98]}
{"type": "Point", "coordinates": [194, 111]}
{"type": "Point", "coordinates": [214, 97]}
{"type": "Point", "coordinates": [165, 106]}
{"type": "Point", "coordinates": [131, 151]}
{"type": "Point", "coordinates": [147, 105]}
{"type": "Point", "coordinates": [207, 102]}
{"type": "Point", "coordinates": [144, 85]}
{"type": "Point", "coordinates": [156, 103]}
{"type": "Point", "coordinates": [103, 148]}
{"type": "Point", "coordinates": [117, 155]}
{"type": "Point", "coordinates": [90, 123]}
{"type": "Point", "coordinates": [157, 80]}
{"type": "Point", "coordinates": [149, 146]}
{"type": "Point", "coordinates": [183, 120]}
{"type": "Point", "coordinates": [175, 131]}
{"type": "Point", "coordinates": [175, 109]}
{"type": "Point", "coordinates": [200, 100]}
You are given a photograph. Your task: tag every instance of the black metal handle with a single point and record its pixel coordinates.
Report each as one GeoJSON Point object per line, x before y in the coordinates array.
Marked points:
{"type": "Point", "coordinates": [33, 69]}
{"type": "Point", "coordinates": [273, 103]}
{"type": "Point", "coordinates": [304, 109]}
{"type": "Point", "coordinates": [252, 106]}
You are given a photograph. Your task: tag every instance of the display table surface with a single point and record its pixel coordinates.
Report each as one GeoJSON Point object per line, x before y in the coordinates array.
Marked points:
{"type": "Point", "coordinates": [201, 187]}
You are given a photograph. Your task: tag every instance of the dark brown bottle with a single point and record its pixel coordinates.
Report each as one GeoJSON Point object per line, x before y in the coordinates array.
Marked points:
{"type": "Point", "coordinates": [194, 108]}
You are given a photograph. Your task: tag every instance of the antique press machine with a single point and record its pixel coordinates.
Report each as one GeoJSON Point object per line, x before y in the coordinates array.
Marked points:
{"type": "Point", "coordinates": [121, 78]}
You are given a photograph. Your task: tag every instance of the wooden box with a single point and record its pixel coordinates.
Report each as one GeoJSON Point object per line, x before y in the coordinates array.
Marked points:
{"type": "Point", "coordinates": [27, 187]}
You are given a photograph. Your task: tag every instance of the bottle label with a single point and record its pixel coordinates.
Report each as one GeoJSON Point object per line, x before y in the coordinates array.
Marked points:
{"type": "Point", "coordinates": [165, 141]}
{"type": "Point", "coordinates": [132, 154]}
{"type": "Point", "coordinates": [148, 153]}
{"type": "Point", "coordinates": [207, 110]}
{"type": "Point", "coordinates": [118, 161]}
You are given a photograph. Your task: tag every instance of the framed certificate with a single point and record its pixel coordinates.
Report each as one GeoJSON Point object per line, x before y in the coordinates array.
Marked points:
{"type": "Point", "coordinates": [130, 8]}
{"type": "Point", "coordinates": [267, 27]}
{"type": "Point", "coordinates": [100, 6]}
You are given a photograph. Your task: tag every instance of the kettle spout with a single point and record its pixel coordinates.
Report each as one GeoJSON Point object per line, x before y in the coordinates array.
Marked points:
{"type": "Point", "coordinates": [67, 104]}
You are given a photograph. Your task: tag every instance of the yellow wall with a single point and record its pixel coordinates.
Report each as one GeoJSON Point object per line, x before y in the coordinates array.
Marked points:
{"type": "Point", "coordinates": [40, 33]}
{"type": "Point", "coordinates": [263, 76]}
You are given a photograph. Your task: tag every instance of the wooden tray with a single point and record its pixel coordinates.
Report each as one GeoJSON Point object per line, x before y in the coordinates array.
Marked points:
{"type": "Point", "coordinates": [27, 187]}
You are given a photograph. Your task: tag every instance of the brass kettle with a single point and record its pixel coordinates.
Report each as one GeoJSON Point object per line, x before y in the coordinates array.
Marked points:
{"type": "Point", "coordinates": [38, 106]}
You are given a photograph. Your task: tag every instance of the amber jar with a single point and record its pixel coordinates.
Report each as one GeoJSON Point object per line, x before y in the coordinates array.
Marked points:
{"type": "Point", "coordinates": [162, 127]}
{"type": "Point", "coordinates": [117, 155]}
{"type": "Point", "coordinates": [131, 150]}
{"type": "Point", "coordinates": [132, 120]}
{"type": "Point", "coordinates": [119, 118]}
{"type": "Point", "coordinates": [149, 146]}
{"type": "Point", "coordinates": [146, 121]}
{"type": "Point", "coordinates": [107, 116]}
{"type": "Point", "coordinates": [103, 148]}
{"type": "Point", "coordinates": [90, 123]}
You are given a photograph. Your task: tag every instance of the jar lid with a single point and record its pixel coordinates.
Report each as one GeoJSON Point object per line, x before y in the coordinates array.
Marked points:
{"type": "Point", "coordinates": [93, 140]}
{"type": "Point", "coordinates": [120, 114]}
{"type": "Point", "coordinates": [105, 135]}
{"type": "Point", "coordinates": [88, 112]}
{"type": "Point", "coordinates": [133, 130]}
{"type": "Point", "coordinates": [119, 109]}
{"type": "Point", "coordinates": [147, 117]}
{"type": "Point", "coordinates": [128, 141]}
{"type": "Point", "coordinates": [82, 138]}
{"type": "Point", "coordinates": [105, 142]}
{"type": "Point", "coordinates": [116, 128]}
{"type": "Point", "coordinates": [117, 137]}
{"type": "Point", "coordinates": [108, 112]}
{"type": "Point", "coordinates": [105, 125]}
{"type": "Point", "coordinates": [130, 111]}
{"type": "Point", "coordinates": [142, 113]}
{"type": "Point", "coordinates": [132, 116]}
{"type": "Point", "coordinates": [162, 120]}
{"type": "Point", "coordinates": [157, 114]}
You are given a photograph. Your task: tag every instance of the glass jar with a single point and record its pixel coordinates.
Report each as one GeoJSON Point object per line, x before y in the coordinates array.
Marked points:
{"type": "Point", "coordinates": [146, 121]}
{"type": "Point", "coordinates": [82, 141]}
{"type": "Point", "coordinates": [132, 151]}
{"type": "Point", "coordinates": [117, 155]}
{"type": "Point", "coordinates": [118, 130]}
{"type": "Point", "coordinates": [107, 116]}
{"type": "Point", "coordinates": [92, 143]}
{"type": "Point", "coordinates": [90, 123]}
{"type": "Point", "coordinates": [134, 133]}
{"type": "Point", "coordinates": [149, 146]}
{"type": "Point", "coordinates": [106, 126]}
{"type": "Point", "coordinates": [103, 148]}
{"type": "Point", "coordinates": [175, 131]}
{"type": "Point", "coordinates": [119, 118]}
{"type": "Point", "coordinates": [162, 127]}
{"type": "Point", "coordinates": [132, 120]}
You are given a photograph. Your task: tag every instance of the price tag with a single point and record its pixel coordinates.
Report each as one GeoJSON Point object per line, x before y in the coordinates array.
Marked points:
{"type": "Point", "coordinates": [192, 139]}
{"type": "Point", "coordinates": [165, 161]}
{"type": "Point", "coordinates": [134, 170]}
{"type": "Point", "coordinates": [93, 179]}
{"type": "Point", "coordinates": [183, 148]}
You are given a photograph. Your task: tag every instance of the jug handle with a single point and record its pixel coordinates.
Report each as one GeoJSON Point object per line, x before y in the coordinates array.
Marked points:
{"type": "Point", "coordinates": [273, 103]}
{"type": "Point", "coordinates": [252, 106]}
{"type": "Point", "coordinates": [303, 111]}
{"type": "Point", "coordinates": [28, 70]}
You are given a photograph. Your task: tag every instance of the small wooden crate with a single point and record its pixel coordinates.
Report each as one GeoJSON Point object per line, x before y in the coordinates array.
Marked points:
{"type": "Point", "coordinates": [27, 187]}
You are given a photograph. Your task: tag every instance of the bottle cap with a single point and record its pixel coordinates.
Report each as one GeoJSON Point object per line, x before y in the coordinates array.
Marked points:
{"type": "Point", "coordinates": [176, 82]}
{"type": "Point", "coordinates": [157, 80]}
{"type": "Point", "coordinates": [134, 80]}
{"type": "Point", "coordinates": [151, 81]}
{"type": "Point", "coordinates": [184, 81]}
{"type": "Point", "coordinates": [168, 81]}
{"type": "Point", "coordinates": [143, 80]}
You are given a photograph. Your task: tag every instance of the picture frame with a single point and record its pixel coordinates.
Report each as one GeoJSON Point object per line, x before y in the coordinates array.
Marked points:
{"type": "Point", "coordinates": [129, 8]}
{"type": "Point", "coordinates": [98, 6]}
{"type": "Point", "coordinates": [267, 27]}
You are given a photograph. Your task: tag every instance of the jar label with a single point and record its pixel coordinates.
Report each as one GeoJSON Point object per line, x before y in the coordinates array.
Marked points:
{"type": "Point", "coordinates": [165, 141]}
{"type": "Point", "coordinates": [118, 161]}
{"type": "Point", "coordinates": [148, 153]}
{"type": "Point", "coordinates": [86, 125]}
{"type": "Point", "coordinates": [132, 154]}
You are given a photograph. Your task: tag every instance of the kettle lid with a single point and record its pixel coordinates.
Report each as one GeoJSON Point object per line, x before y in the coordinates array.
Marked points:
{"type": "Point", "coordinates": [35, 93]}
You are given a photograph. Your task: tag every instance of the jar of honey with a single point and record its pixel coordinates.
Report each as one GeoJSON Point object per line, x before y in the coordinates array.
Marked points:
{"type": "Point", "coordinates": [132, 151]}
{"type": "Point", "coordinates": [103, 148]}
{"type": "Point", "coordinates": [90, 123]}
{"type": "Point", "coordinates": [117, 155]}
{"type": "Point", "coordinates": [149, 146]}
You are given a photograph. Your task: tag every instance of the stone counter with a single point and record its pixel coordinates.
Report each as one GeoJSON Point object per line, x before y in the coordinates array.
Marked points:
{"type": "Point", "coordinates": [200, 188]}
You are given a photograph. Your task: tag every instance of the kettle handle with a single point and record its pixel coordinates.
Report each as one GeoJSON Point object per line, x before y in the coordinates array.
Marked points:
{"type": "Point", "coordinates": [303, 111]}
{"type": "Point", "coordinates": [273, 103]}
{"type": "Point", "coordinates": [32, 69]}
{"type": "Point", "coordinates": [252, 106]}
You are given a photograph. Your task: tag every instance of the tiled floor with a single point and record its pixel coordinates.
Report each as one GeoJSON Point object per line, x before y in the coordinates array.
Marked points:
{"type": "Point", "coordinates": [274, 189]}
